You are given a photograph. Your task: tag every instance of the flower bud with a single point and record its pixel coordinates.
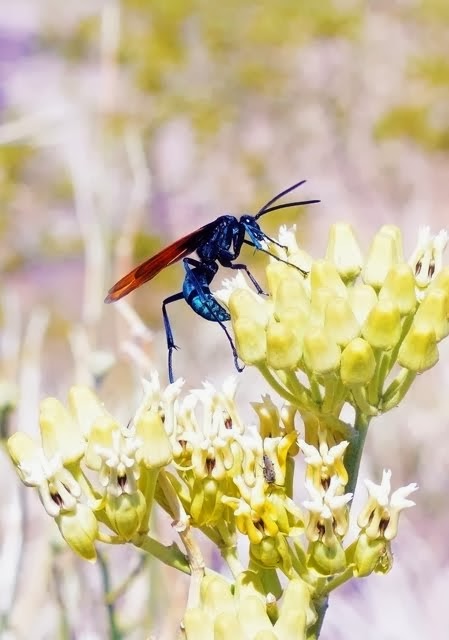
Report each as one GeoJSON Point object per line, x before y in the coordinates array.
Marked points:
{"type": "Point", "coordinates": [207, 507]}
{"type": "Point", "coordinates": [244, 303]}
{"type": "Point", "coordinates": [357, 363]}
{"type": "Point", "coordinates": [85, 407]}
{"type": "Point", "coordinates": [399, 287]}
{"type": "Point", "coordinates": [343, 251]}
{"type": "Point", "coordinates": [199, 624]}
{"type": "Point", "coordinates": [325, 275]}
{"type": "Point", "coordinates": [385, 251]}
{"type": "Point", "coordinates": [22, 450]}
{"type": "Point", "coordinates": [340, 322]}
{"type": "Point", "coordinates": [268, 415]}
{"type": "Point", "coordinates": [125, 513]}
{"type": "Point", "coordinates": [284, 350]}
{"type": "Point", "coordinates": [60, 433]}
{"type": "Point", "coordinates": [291, 294]}
{"type": "Point", "coordinates": [371, 556]}
{"type": "Point", "coordinates": [327, 560]}
{"type": "Point", "coordinates": [319, 302]}
{"type": "Point", "coordinates": [101, 435]}
{"type": "Point", "coordinates": [418, 351]}
{"type": "Point", "coordinates": [276, 272]}
{"type": "Point", "coordinates": [297, 612]}
{"type": "Point", "coordinates": [226, 627]}
{"type": "Point", "coordinates": [362, 298]}
{"type": "Point", "coordinates": [155, 450]}
{"type": "Point", "coordinates": [215, 594]}
{"type": "Point", "coordinates": [249, 583]}
{"type": "Point", "coordinates": [433, 313]}
{"type": "Point", "coordinates": [382, 328]}
{"type": "Point", "coordinates": [79, 529]}
{"type": "Point", "coordinates": [254, 620]}
{"type": "Point", "coordinates": [250, 339]}
{"type": "Point", "coordinates": [321, 353]}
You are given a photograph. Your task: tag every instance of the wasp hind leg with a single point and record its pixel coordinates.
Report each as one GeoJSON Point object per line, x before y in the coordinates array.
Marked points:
{"type": "Point", "coordinates": [168, 332]}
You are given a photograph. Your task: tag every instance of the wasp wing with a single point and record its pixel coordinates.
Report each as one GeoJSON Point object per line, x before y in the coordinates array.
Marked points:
{"type": "Point", "coordinates": [151, 267]}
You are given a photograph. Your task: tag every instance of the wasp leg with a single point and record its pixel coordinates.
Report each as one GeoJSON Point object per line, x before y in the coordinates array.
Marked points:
{"type": "Point", "coordinates": [251, 244]}
{"type": "Point", "coordinates": [168, 332]}
{"type": "Point", "coordinates": [203, 293]}
{"type": "Point", "coordinates": [244, 268]}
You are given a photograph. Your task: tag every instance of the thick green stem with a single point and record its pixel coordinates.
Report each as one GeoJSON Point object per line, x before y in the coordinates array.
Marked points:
{"type": "Point", "coordinates": [321, 605]}
{"type": "Point", "coordinates": [354, 452]}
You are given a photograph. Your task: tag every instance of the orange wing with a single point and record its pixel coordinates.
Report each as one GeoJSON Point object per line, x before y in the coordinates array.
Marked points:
{"type": "Point", "coordinates": [151, 267]}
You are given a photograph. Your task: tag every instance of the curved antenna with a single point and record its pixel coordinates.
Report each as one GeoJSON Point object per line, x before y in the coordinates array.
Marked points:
{"type": "Point", "coordinates": [284, 206]}
{"type": "Point", "coordinates": [278, 197]}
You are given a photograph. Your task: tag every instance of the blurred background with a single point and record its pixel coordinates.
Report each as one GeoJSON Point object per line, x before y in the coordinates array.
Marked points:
{"type": "Point", "coordinates": [124, 125]}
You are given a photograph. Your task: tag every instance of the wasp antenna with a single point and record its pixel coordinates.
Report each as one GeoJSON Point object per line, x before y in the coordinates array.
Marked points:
{"type": "Point", "coordinates": [278, 197]}
{"type": "Point", "coordinates": [289, 204]}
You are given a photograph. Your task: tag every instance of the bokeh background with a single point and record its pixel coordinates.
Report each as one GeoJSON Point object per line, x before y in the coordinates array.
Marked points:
{"type": "Point", "coordinates": [124, 125]}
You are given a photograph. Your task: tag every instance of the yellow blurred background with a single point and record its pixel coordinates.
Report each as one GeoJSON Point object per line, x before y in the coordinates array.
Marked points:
{"type": "Point", "coordinates": [124, 125]}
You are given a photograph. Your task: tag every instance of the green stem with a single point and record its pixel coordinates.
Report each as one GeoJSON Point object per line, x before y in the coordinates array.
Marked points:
{"type": "Point", "coordinates": [148, 487]}
{"type": "Point", "coordinates": [354, 452]}
{"type": "Point", "coordinates": [405, 329]}
{"type": "Point", "coordinates": [277, 386]}
{"type": "Point", "coordinates": [397, 389]}
{"type": "Point", "coordinates": [334, 394]}
{"type": "Point", "coordinates": [321, 605]}
{"type": "Point", "coordinates": [300, 392]}
{"type": "Point", "coordinates": [229, 555]}
{"type": "Point", "coordinates": [169, 555]}
{"type": "Point", "coordinates": [376, 383]}
{"type": "Point", "coordinates": [361, 400]}
{"type": "Point", "coordinates": [337, 581]}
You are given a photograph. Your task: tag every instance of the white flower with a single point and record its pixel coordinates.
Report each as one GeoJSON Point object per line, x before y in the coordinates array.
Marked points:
{"type": "Point", "coordinates": [380, 515]}
{"type": "Point", "coordinates": [119, 470]}
{"type": "Point", "coordinates": [327, 511]}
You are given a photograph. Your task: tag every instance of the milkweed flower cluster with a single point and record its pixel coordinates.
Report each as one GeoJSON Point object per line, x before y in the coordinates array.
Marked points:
{"type": "Point", "coordinates": [197, 459]}
{"type": "Point", "coordinates": [352, 332]}
{"type": "Point", "coordinates": [358, 330]}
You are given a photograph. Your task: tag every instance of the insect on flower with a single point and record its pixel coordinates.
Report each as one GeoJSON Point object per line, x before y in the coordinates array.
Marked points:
{"type": "Point", "coordinates": [218, 242]}
{"type": "Point", "coordinates": [269, 472]}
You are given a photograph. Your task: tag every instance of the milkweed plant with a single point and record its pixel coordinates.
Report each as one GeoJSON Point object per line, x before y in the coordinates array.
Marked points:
{"type": "Point", "coordinates": [354, 333]}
